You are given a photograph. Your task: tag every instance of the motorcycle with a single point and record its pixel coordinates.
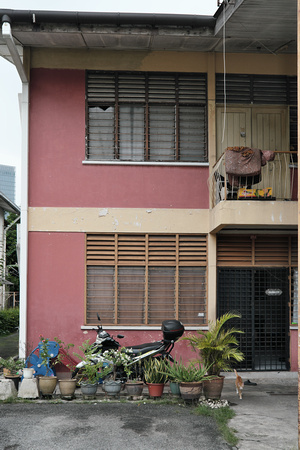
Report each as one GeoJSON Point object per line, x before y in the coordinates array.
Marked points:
{"type": "Point", "coordinates": [172, 330]}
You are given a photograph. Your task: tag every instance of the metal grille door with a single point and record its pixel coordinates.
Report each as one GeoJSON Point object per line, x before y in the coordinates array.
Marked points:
{"type": "Point", "coordinates": [261, 297]}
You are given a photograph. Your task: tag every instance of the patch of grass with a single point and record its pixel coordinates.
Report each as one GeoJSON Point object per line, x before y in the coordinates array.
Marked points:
{"type": "Point", "coordinates": [16, 400]}
{"type": "Point", "coordinates": [8, 400]}
{"type": "Point", "coordinates": [222, 417]}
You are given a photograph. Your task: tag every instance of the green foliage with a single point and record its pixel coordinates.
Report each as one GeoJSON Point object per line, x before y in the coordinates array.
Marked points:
{"type": "Point", "coordinates": [61, 357]}
{"type": "Point", "coordinates": [134, 371]}
{"type": "Point", "coordinates": [178, 372]}
{"type": "Point", "coordinates": [221, 416]}
{"type": "Point", "coordinates": [9, 321]}
{"type": "Point", "coordinates": [12, 364]}
{"type": "Point", "coordinates": [45, 354]}
{"type": "Point", "coordinates": [218, 347]}
{"type": "Point", "coordinates": [89, 373]}
{"type": "Point", "coordinates": [115, 359]}
{"type": "Point", "coordinates": [155, 370]}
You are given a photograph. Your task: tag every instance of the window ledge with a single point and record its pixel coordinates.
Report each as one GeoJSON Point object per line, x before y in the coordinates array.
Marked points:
{"type": "Point", "coordinates": [146, 163]}
{"type": "Point", "coordinates": [118, 327]}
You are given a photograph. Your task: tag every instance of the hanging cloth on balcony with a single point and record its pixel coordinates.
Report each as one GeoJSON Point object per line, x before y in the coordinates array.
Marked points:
{"type": "Point", "coordinates": [243, 164]}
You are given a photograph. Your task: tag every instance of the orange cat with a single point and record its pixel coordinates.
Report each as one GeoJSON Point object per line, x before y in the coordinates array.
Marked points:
{"type": "Point", "coordinates": [239, 384]}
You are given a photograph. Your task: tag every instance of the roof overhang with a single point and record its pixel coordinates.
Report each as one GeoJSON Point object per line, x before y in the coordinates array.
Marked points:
{"type": "Point", "coordinates": [251, 26]}
{"type": "Point", "coordinates": [8, 205]}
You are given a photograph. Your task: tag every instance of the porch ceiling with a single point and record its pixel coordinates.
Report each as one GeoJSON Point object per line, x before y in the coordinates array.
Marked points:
{"type": "Point", "coordinates": [251, 26]}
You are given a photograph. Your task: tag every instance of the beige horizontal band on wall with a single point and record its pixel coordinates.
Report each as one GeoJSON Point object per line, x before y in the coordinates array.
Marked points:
{"type": "Point", "coordinates": [121, 220]}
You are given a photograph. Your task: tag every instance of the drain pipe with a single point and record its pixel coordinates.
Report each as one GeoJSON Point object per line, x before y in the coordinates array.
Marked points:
{"type": "Point", "coordinates": [24, 107]}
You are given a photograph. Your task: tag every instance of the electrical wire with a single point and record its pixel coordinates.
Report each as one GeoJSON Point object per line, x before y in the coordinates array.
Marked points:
{"type": "Point", "coordinates": [224, 71]}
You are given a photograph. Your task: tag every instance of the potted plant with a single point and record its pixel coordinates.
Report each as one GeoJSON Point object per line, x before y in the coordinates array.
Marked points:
{"type": "Point", "coordinates": [134, 385]}
{"type": "Point", "coordinates": [218, 348]}
{"type": "Point", "coordinates": [67, 386]}
{"type": "Point", "coordinates": [155, 376]}
{"type": "Point", "coordinates": [115, 360]}
{"type": "Point", "coordinates": [11, 368]}
{"type": "Point", "coordinates": [189, 378]}
{"type": "Point", "coordinates": [172, 372]}
{"type": "Point", "coordinates": [47, 382]}
{"type": "Point", "coordinates": [89, 374]}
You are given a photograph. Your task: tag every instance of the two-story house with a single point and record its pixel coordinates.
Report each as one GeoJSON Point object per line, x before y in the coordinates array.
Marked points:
{"type": "Point", "coordinates": [131, 207]}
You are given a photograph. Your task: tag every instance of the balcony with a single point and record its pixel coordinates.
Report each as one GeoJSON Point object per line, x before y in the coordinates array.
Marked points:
{"type": "Point", "coordinates": [278, 181]}
{"type": "Point", "coordinates": [266, 200]}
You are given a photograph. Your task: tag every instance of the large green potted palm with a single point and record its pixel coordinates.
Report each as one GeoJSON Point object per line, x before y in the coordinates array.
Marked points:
{"type": "Point", "coordinates": [218, 349]}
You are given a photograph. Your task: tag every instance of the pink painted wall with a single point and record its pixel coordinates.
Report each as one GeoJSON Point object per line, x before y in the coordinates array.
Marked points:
{"type": "Point", "coordinates": [294, 350]}
{"type": "Point", "coordinates": [56, 294]}
{"type": "Point", "coordinates": [55, 286]}
{"type": "Point", "coordinates": [57, 177]}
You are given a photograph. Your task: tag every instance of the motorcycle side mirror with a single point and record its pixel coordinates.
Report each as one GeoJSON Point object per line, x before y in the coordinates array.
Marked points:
{"type": "Point", "coordinates": [120, 336]}
{"type": "Point", "coordinates": [98, 317]}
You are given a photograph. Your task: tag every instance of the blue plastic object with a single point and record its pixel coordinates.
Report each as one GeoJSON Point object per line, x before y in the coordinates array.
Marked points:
{"type": "Point", "coordinates": [34, 360]}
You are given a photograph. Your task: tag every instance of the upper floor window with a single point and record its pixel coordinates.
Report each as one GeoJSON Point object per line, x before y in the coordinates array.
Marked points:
{"type": "Point", "coordinates": [133, 116]}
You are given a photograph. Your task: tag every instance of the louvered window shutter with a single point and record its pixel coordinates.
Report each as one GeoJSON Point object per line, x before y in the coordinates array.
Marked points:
{"type": "Point", "coordinates": [144, 279]}
{"type": "Point", "coordinates": [256, 250]}
{"type": "Point", "coordinates": [146, 117]}
{"type": "Point", "coordinates": [256, 89]}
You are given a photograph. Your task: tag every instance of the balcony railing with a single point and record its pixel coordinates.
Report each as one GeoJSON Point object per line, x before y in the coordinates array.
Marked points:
{"type": "Point", "coordinates": [278, 181]}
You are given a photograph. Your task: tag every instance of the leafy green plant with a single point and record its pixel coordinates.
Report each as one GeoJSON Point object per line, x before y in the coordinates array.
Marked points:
{"type": "Point", "coordinates": [9, 321]}
{"type": "Point", "coordinates": [134, 371]}
{"type": "Point", "coordinates": [65, 355]}
{"type": "Point", "coordinates": [46, 355]}
{"type": "Point", "coordinates": [115, 359]}
{"type": "Point", "coordinates": [218, 347]}
{"type": "Point", "coordinates": [12, 364]}
{"type": "Point", "coordinates": [155, 370]}
{"type": "Point", "coordinates": [178, 372]}
{"type": "Point", "coordinates": [90, 371]}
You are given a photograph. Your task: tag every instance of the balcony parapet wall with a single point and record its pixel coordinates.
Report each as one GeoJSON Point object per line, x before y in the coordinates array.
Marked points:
{"type": "Point", "coordinates": [254, 213]}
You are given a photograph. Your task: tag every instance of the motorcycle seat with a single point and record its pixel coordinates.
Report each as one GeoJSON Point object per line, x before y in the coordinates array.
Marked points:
{"type": "Point", "coordinates": [144, 348]}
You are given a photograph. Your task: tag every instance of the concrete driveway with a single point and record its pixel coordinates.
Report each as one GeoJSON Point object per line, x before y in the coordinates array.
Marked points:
{"type": "Point", "coordinates": [106, 426]}
{"type": "Point", "coordinates": [267, 416]}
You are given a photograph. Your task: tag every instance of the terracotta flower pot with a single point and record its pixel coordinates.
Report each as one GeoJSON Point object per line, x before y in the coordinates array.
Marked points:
{"type": "Point", "coordinates": [212, 389]}
{"type": "Point", "coordinates": [191, 390]}
{"type": "Point", "coordinates": [155, 389]}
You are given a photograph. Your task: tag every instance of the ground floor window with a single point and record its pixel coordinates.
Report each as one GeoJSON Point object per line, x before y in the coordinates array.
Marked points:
{"type": "Point", "coordinates": [146, 278]}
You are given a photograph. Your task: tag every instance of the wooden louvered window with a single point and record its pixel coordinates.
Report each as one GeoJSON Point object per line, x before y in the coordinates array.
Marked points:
{"type": "Point", "coordinates": [256, 250]}
{"type": "Point", "coordinates": [133, 116]}
{"type": "Point", "coordinates": [145, 279]}
{"type": "Point", "coordinates": [257, 89]}
{"type": "Point", "coordinates": [262, 251]}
